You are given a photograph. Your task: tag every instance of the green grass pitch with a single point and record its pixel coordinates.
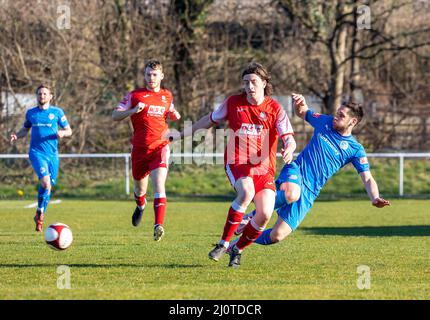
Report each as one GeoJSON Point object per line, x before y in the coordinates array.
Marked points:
{"type": "Point", "coordinates": [110, 259]}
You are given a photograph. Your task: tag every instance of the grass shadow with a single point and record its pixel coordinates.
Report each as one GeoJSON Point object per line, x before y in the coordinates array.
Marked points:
{"type": "Point", "coordinates": [383, 231]}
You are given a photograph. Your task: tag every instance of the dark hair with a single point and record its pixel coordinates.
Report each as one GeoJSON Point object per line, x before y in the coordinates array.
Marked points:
{"type": "Point", "coordinates": [355, 110]}
{"type": "Point", "coordinates": [153, 64]}
{"type": "Point", "coordinates": [259, 70]}
{"type": "Point", "coordinates": [43, 85]}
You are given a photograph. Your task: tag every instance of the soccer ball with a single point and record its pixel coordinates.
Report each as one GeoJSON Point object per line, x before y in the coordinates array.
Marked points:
{"type": "Point", "coordinates": [58, 236]}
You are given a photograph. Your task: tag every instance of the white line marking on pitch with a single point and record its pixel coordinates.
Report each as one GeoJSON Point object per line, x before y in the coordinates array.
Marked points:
{"type": "Point", "coordinates": [34, 205]}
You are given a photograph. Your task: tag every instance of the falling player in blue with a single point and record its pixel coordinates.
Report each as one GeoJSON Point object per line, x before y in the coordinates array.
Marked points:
{"type": "Point", "coordinates": [332, 147]}
{"type": "Point", "coordinates": [48, 124]}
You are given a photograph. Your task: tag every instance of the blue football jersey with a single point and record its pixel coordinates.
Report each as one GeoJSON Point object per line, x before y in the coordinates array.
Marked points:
{"type": "Point", "coordinates": [327, 152]}
{"type": "Point", "coordinates": [44, 126]}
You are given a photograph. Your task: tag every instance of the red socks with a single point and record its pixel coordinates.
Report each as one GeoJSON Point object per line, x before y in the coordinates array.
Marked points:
{"type": "Point", "coordinates": [250, 234]}
{"type": "Point", "coordinates": [160, 209]}
{"type": "Point", "coordinates": [160, 203]}
{"type": "Point", "coordinates": [234, 218]}
{"type": "Point", "coordinates": [140, 201]}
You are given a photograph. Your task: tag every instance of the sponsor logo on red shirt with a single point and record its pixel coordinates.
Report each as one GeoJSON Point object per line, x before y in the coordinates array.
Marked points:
{"type": "Point", "coordinates": [156, 111]}
{"type": "Point", "coordinates": [251, 129]}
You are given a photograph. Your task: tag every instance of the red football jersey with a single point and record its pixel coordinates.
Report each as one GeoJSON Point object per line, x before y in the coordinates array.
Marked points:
{"type": "Point", "coordinates": [149, 125]}
{"type": "Point", "coordinates": [254, 132]}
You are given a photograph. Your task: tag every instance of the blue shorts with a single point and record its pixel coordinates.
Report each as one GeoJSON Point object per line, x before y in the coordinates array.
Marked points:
{"type": "Point", "coordinates": [290, 173]}
{"type": "Point", "coordinates": [294, 213]}
{"type": "Point", "coordinates": [45, 165]}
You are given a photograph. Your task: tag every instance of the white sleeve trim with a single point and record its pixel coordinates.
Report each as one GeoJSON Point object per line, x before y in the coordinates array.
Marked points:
{"type": "Point", "coordinates": [219, 113]}
{"type": "Point", "coordinates": [172, 108]}
{"type": "Point", "coordinates": [283, 124]}
{"type": "Point", "coordinates": [125, 104]}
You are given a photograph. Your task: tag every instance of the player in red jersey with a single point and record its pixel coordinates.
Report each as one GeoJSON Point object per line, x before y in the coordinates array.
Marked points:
{"type": "Point", "coordinates": [256, 121]}
{"type": "Point", "coordinates": [148, 109]}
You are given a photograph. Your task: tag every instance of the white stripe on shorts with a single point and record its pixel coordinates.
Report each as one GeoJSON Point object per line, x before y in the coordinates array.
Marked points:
{"type": "Point", "coordinates": [230, 175]}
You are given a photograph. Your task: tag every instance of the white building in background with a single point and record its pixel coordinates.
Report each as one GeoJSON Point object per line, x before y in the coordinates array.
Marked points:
{"type": "Point", "coordinates": [18, 103]}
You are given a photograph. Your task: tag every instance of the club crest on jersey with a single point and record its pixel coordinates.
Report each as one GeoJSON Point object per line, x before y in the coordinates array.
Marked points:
{"type": "Point", "coordinates": [251, 129]}
{"type": "Point", "coordinates": [156, 111]}
{"type": "Point", "coordinates": [241, 109]}
{"type": "Point", "coordinates": [163, 98]}
{"type": "Point", "coordinates": [344, 145]}
{"type": "Point", "coordinates": [316, 115]}
{"type": "Point", "coordinates": [263, 116]}
{"type": "Point", "coordinates": [51, 116]}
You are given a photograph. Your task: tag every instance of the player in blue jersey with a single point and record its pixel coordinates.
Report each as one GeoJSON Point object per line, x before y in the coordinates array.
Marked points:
{"type": "Point", "coordinates": [48, 124]}
{"type": "Point", "coordinates": [332, 146]}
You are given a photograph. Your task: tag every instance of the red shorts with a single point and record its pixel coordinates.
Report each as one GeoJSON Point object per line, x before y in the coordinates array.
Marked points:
{"type": "Point", "coordinates": [143, 163]}
{"type": "Point", "coordinates": [264, 181]}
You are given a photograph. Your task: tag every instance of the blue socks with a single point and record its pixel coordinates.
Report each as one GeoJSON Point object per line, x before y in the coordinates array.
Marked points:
{"type": "Point", "coordinates": [264, 239]}
{"type": "Point", "coordinates": [43, 198]}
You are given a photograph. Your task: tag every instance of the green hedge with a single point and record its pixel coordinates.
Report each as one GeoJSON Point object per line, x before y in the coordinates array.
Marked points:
{"type": "Point", "coordinates": [104, 179]}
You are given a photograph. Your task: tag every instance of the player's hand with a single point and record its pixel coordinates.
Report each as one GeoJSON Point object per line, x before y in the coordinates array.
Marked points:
{"type": "Point", "coordinates": [13, 137]}
{"type": "Point", "coordinates": [298, 100]}
{"type": "Point", "coordinates": [60, 134]}
{"type": "Point", "coordinates": [380, 202]}
{"type": "Point", "coordinates": [138, 108]}
{"type": "Point", "coordinates": [172, 137]}
{"type": "Point", "coordinates": [287, 156]}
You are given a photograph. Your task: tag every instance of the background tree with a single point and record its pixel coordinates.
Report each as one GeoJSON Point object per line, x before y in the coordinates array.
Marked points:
{"type": "Point", "coordinates": [320, 48]}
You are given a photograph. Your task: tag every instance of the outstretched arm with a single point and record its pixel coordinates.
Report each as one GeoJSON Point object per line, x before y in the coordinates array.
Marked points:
{"type": "Point", "coordinates": [286, 132]}
{"type": "Point", "coordinates": [203, 123]}
{"type": "Point", "coordinates": [300, 105]}
{"type": "Point", "coordinates": [287, 151]}
{"type": "Point", "coordinates": [20, 134]}
{"type": "Point", "coordinates": [372, 190]}
{"type": "Point", "coordinates": [119, 114]}
{"type": "Point", "coordinates": [206, 122]}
